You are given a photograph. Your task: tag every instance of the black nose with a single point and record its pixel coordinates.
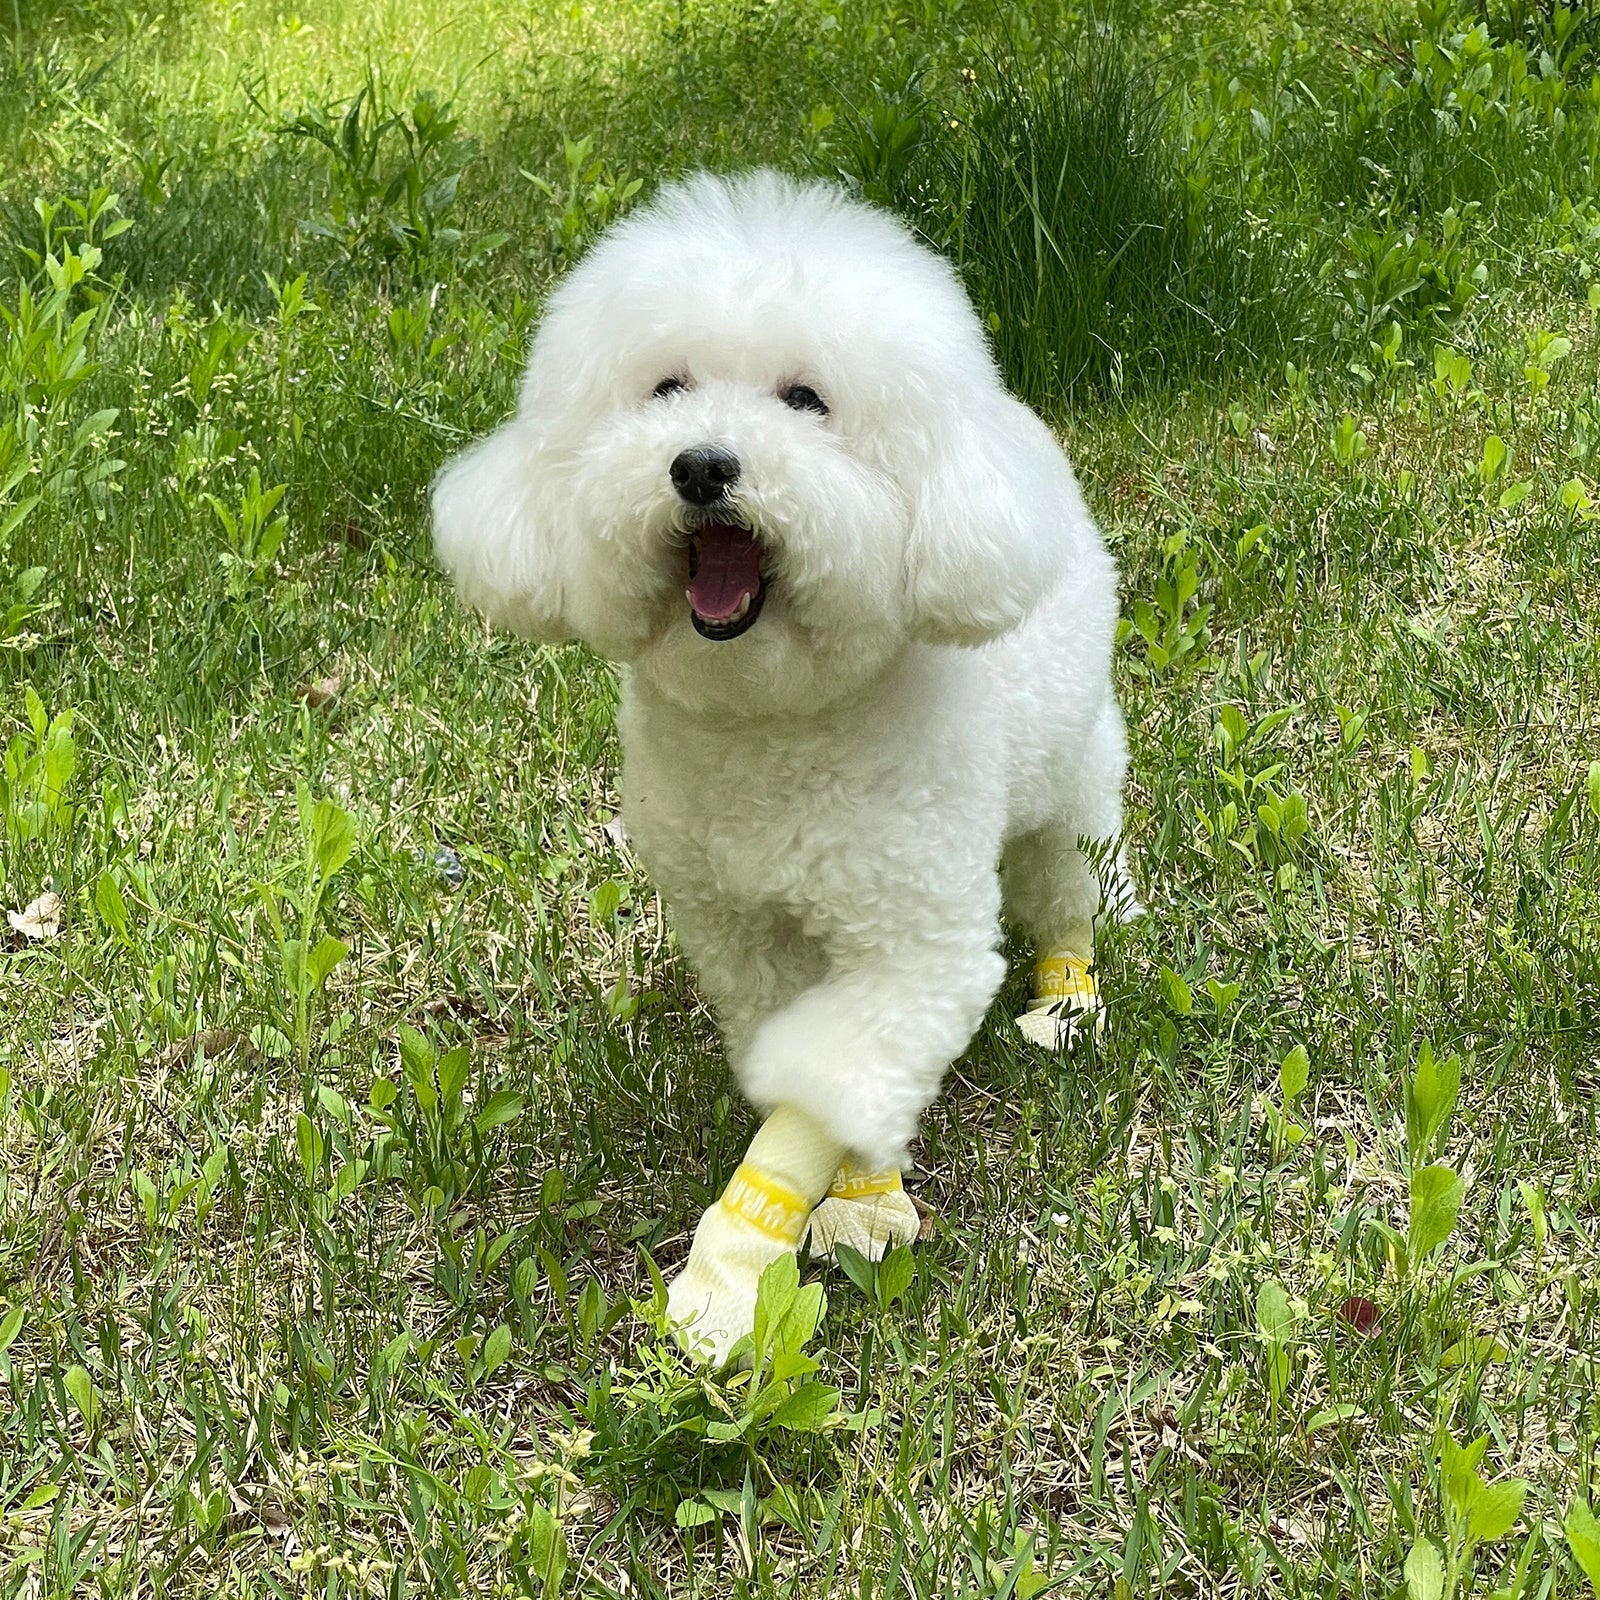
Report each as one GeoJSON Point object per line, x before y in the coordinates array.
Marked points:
{"type": "Point", "coordinates": [703, 473]}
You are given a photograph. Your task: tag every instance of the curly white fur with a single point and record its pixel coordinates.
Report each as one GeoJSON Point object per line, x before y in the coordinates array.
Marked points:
{"type": "Point", "coordinates": [825, 800]}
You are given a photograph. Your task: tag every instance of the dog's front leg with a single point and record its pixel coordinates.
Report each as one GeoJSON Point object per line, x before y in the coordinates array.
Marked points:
{"type": "Point", "coordinates": [864, 1051]}
{"type": "Point", "coordinates": [847, 1066]}
{"type": "Point", "coordinates": [761, 1215]}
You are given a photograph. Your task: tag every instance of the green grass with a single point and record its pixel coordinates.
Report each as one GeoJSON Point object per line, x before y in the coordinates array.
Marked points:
{"type": "Point", "coordinates": [286, 1307]}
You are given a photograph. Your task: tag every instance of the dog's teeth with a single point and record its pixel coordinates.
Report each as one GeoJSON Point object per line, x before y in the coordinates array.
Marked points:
{"type": "Point", "coordinates": [744, 606]}
{"type": "Point", "coordinates": [688, 594]}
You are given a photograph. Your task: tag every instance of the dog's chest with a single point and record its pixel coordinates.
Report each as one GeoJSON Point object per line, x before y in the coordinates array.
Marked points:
{"type": "Point", "coordinates": [742, 832]}
{"type": "Point", "coordinates": [792, 826]}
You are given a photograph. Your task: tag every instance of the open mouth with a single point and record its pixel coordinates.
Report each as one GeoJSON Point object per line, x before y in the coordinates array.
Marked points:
{"type": "Point", "coordinates": [725, 583]}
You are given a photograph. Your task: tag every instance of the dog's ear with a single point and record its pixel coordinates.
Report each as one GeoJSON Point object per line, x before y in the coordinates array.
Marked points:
{"type": "Point", "coordinates": [996, 523]}
{"type": "Point", "coordinates": [496, 534]}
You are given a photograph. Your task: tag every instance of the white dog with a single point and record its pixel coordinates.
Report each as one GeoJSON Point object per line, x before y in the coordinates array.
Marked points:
{"type": "Point", "coordinates": [763, 458]}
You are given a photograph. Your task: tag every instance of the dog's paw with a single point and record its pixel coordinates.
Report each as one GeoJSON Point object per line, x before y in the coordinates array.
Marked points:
{"type": "Point", "coordinates": [1066, 1003]}
{"type": "Point", "coordinates": [712, 1306]}
{"type": "Point", "coordinates": [869, 1211]}
{"type": "Point", "coordinates": [1058, 1028]}
{"type": "Point", "coordinates": [712, 1301]}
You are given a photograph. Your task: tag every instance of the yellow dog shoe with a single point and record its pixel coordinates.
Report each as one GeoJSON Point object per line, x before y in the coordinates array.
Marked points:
{"type": "Point", "coordinates": [869, 1211]}
{"type": "Point", "coordinates": [1066, 1000]}
{"type": "Point", "coordinates": [760, 1216]}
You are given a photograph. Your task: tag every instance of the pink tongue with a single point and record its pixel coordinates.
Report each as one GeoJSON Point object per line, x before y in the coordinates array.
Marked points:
{"type": "Point", "coordinates": [728, 572]}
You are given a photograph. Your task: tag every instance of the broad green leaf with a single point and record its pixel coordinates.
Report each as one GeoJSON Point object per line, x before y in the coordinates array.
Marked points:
{"type": "Point", "coordinates": [895, 1273]}
{"type": "Point", "coordinates": [290, 954]}
{"type": "Point", "coordinates": [311, 1145]}
{"type": "Point", "coordinates": [604, 901]}
{"type": "Point", "coordinates": [326, 954]}
{"type": "Point", "coordinates": [333, 1103]}
{"type": "Point", "coordinates": [810, 1408]}
{"type": "Point", "coordinates": [1583, 1539]}
{"type": "Point", "coordinates": [1495, 1508]}
{"type": "Point", "coordinates": [547, 1544]}
{"type": "Point", "coordinates": [789, 1363]}
{"type": "Point", "coordinates": [1476, 1352]}
{"type": "Point", "coordinates": [694, 1514]}
{"type": "Point", "coordinates": [10, 1327]}
{"type": "Point", "coordinates": [804, 1315]}
{"type": "Point", "coordinates": [1293, 1073]}
{"type": "Point", "coordinates": [417, 1055]}
{"type": "Point", "coordinates": [855, 1266]}
{"type": "Point", "coordinates": [346, 1179]}
{"type": "Point", "coordinates": [502, 1107]}
{"type": "Point", "coordinates": [1458, 1471]}
{"type": "Point", "coordinates": [1533, 1199]}
{"type": "Point", "coordinates": [1594, 787]}
{"type": "Point", "coordinates": [775, 1295]}
{"type": "Point", "coordinates": [112, 907]}
{"type": "Point", "coordinates": [1280, 1367]}
{"type": "Point", "coordinates": [1274, 1314]}
{"type": "Point", "coordinates": [496, 1349]}
{"type": "Point", "coordinates": [1436, 1195]}
{"type": "Point", "coordinates": [453, 1068]}
{"type": "Point", "coordinates": [393, 1353]}
{"type": "Point", "coordinates": [526, 1278]}
{"type": "Point", "coordinates": [270, 1042]}
{"type": "Point", "coordinates": [1429, 1101]}
{"type": "Point", "coordinates": [1175, 992]}
{"type": "Point", "coordinates": [80, 1386]}
{"type": "Point", "coordinates": [1424, 1572]}
{"type": "Point", "coordinates": [332, 836]}
{"type": "Point", "coordinates": [1331, 1416]}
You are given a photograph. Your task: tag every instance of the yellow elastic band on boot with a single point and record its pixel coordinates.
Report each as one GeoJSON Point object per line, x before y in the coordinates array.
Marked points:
{"type": "Point", "coordinates": [767, 1205]}
{"type": "Point", "coordinates": [1064, 976]}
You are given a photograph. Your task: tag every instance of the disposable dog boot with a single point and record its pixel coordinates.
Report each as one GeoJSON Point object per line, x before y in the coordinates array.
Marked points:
{"type": "Point", "coordinates": [869, 1211]}
{"type": "Point", "coordinates": [760, 1215]}
{"type": "Point", "coordinates": [1066, 999]}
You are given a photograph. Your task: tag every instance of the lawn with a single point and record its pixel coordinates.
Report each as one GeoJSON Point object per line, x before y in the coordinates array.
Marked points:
{"type": "Point", "coordinates": [351, 1086]}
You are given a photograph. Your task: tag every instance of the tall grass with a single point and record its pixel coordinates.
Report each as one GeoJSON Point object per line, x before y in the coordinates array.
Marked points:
{"type": "Point", "coordinates": [1057, 185]}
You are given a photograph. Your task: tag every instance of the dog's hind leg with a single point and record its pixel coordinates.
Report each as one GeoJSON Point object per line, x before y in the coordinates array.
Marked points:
{"type": "Point", "coordinates": [1053, 890]}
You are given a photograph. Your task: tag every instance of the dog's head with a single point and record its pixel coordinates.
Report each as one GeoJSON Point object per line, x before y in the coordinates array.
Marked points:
{"type": "Point", "coordinates": [761, 444]}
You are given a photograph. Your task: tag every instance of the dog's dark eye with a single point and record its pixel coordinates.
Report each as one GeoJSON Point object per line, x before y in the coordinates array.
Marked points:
{"type": "Point", "coordinates": [668, 386]}
{"type": "Point", "coordinates": [802, 397]}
